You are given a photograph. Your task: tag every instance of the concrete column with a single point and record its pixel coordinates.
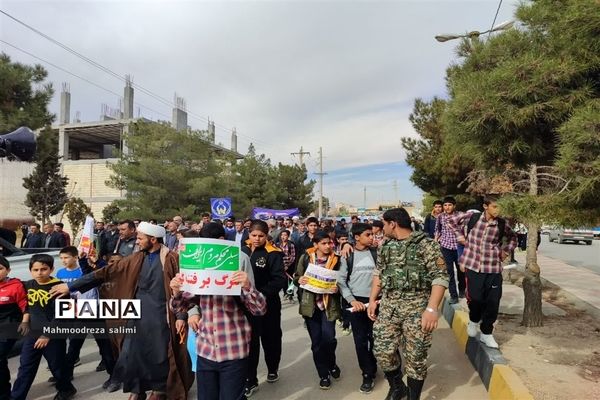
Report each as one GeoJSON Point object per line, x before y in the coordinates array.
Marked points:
{"type": "Point", "coordinates": [65, 105]}
{"type": "Point", "coordinates": [234, 140]}
{"type": "Point", "coordinates": [124, 148]}
{"type": "Point", "coordinates": [63, 144]}
{"type": "Point", "coordinates": [211, 131]}
{"type": "Point", "coordinates": [179, 122]}
{"type": "Point", "coordinates": [128, 99]}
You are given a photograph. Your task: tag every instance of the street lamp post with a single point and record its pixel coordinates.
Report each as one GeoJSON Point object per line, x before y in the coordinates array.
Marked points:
{"type": "Point", "coordinates": [474, 34]}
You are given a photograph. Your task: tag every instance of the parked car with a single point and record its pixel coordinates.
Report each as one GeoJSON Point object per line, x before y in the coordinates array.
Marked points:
{"type": "Point", "coordinates": [19, 259]}
{"type": "Point", "coordinates": [562, 235]}
{"type": "Point", "coordinates": [596, 232]}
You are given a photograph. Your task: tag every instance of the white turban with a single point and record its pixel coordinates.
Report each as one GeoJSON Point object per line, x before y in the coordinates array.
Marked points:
{"type": "Point", "coordinates": [151, 230]}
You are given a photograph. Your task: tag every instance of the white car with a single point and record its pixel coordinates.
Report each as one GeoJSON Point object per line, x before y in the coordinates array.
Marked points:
{"type": "Point", "coordinates": [19, 259]}
{"type": "Point", "coordinates": [562, 235]}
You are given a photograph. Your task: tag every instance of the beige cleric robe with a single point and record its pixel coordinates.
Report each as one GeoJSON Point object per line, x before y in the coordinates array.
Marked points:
{"type": "Point", "coordinates": [120, 279]}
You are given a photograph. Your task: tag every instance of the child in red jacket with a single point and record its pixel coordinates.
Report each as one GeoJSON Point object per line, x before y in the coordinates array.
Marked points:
{"type": "Point", "coordinates": [13, 320]}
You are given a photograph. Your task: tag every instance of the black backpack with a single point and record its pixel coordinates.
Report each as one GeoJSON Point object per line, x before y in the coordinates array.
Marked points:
{"type": "Point", "coordinates": [350, 260]}
{"type": "Point", "coordinates": [501, 225]}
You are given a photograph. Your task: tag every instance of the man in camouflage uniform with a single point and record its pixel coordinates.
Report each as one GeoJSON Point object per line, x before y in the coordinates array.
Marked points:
{"type": "Point", "coordinates": [411, 274]}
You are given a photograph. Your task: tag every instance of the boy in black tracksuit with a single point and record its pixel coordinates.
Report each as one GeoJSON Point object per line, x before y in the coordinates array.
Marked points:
{"type": "Point", "coordinates": [270, 279]}
{"type": "Point", "coordinates": [36, 345]}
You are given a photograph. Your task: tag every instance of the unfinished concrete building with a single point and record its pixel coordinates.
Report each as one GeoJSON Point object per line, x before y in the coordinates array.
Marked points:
{"type": "Point", "coordinates": [85, 148]}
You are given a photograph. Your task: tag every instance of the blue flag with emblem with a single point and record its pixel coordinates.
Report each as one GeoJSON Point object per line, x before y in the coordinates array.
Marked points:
{"type": "Point", "coordinates": [220, 207]}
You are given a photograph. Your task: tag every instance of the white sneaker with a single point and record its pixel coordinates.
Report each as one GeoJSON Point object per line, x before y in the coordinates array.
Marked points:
{"type": "Point", "coordinates": [472, 328]}
{"type": "Point", "coordinates": [488, 340]}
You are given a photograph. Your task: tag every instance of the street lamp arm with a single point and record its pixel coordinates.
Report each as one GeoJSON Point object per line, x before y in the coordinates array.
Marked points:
{"type": "Point", "coordinates": [473, 34]}
{"type": "Point", "coordinates": [445, 38]}
{"type": "Point", "coordinates": [503, 26]}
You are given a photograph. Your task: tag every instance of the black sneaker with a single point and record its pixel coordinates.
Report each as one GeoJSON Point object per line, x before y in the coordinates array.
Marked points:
{"type": "Point", "coordinates": [336, 372]}
{"type": "Point", "coordinates": [250, 389]}
{"type": "Point", "coordinates": [272, 377]}
{"type": "Point", "coordinates": [101, 367]}
{"type": "Point", "coordinates": [325, 383]}
{"type": "Point", "coordinates": [65, 394]}
{"type": "Point", "coordinates": [368, 384]}
{"type": "Point", "coordinates": [112, 386]}
{"type": "Point", "coordinates": [52, 380]}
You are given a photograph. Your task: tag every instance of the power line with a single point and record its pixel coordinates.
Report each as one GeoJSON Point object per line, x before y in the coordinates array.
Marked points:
{"type": "Point", "coordinates": [77, 76]}
{"type": "Point", "coordinates": [86, 59]}
{"type": "Point", "coordinates": [301, 155]}
{"type": "Point", "coordinates": [495, 16]}
{"type": "Point", "coordinates": [112, 73]}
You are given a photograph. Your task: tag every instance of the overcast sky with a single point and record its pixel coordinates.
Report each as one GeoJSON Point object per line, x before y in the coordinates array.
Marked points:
{"type": "Point", "coordinates": [339, 74]}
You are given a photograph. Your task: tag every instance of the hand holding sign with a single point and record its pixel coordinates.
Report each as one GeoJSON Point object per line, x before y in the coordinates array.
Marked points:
{"type": "Point", "coordinates": [317, 279]}
{"type": "Point", "coordinates": [176, 283]}
{"type": "Point", "coordinates": [211, 266]}
{"type": "Point", "coordinates": [241, 278]}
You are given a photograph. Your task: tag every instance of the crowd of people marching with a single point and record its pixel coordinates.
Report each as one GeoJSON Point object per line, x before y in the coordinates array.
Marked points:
{"type": "Point", "coordinates": [392, 276]}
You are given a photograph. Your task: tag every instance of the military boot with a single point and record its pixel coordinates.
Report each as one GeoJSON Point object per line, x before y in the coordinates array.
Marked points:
{"type": "Point", "coordinates": [397, 387]}
{"type": "Point", "coordinates": [414, 389]}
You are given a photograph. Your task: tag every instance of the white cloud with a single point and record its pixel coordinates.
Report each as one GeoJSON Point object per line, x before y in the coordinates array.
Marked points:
{"type": "Point", "coordinates": [338, 74]}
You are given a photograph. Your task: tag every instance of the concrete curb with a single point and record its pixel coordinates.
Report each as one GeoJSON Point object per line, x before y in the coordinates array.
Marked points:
{"type": "Point", "coordinates": [501, 382]}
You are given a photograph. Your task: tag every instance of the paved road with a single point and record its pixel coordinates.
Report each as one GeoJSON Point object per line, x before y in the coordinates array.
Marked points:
{"type": "Point", "coordinates": [451, 376]}
{"type": "Point", "coordinates": [577, 255]}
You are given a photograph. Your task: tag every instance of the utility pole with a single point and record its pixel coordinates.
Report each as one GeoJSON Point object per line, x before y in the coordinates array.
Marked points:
{"type": "Point", "coordinates": [365, 198]}
{"type": "Point", "coordinates": [320, 173]}
{"type": "Point", "coordinates": [300, 155]}
{"type": "Point", "coordinates": [395, 186]}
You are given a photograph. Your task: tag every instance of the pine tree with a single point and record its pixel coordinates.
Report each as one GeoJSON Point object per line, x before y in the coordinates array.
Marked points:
{"type": "Point", "coordinates": [165, 173]}
{"type": "Point", "coordinates": [292, 188]}
{"type": "Point", "coordinates": [46, 187]}
{"type": "Point", "coordinates": [524, 105]}
{"type": "Point", "coordinates": [20, 103]}
{"type": "Point", "coordinates": [254, 183]}
{"type": "Point", "coordinates": [437, 168]}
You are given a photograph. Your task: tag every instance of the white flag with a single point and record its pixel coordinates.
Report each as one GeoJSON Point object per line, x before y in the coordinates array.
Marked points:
{"type": "Point", "coordinates": [87, 235]}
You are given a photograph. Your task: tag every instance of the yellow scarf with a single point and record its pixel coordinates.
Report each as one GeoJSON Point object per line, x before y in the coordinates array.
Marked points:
{"type": "Point", "coordinates": [331, 263]}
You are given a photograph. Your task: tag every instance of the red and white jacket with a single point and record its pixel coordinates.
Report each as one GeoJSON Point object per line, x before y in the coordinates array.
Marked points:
{"type": "Point", "coordinates": [13, 300]}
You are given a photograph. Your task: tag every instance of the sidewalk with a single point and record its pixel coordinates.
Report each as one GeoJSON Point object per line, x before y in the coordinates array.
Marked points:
{"type": "Point", "coordinates": [579, 282]}
{"type": "Point", "coordinates": [499, 378]}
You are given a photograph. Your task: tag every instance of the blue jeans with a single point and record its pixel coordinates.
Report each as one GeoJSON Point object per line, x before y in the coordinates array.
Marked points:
{"type": "Point", "coordinates": [323, 341]}
{"type": "Point", "coordinates": [6, 346]}
{"type": "Point", "coordinates": [362, 331]}
{"type": "Point", "coordinates": [451, 258]}
{"type": "Point", "coordinates": [223, 380]}
{"type": "Point", "coordinates": [460, 249]}
{"type": "Point", "coordinates": [54, 353]}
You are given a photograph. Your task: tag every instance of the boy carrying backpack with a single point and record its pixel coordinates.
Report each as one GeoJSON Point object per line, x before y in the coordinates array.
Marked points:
{"type": "Point", "coordinates": [356, 277]}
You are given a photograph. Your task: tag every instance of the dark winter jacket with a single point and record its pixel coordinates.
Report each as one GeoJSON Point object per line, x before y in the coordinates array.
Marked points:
{"type": "Point", "coordinates": [267, 265]}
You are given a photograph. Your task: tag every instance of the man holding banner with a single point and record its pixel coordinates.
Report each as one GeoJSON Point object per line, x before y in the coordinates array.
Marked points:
{"type": "Point", "coordinates": [225, 296]}
{"type": "Point", "coordinates": [153, 358]}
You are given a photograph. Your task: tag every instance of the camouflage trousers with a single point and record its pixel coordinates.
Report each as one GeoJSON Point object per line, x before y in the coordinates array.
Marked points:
{"type": "Point", "coordinates": [399, 325]}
